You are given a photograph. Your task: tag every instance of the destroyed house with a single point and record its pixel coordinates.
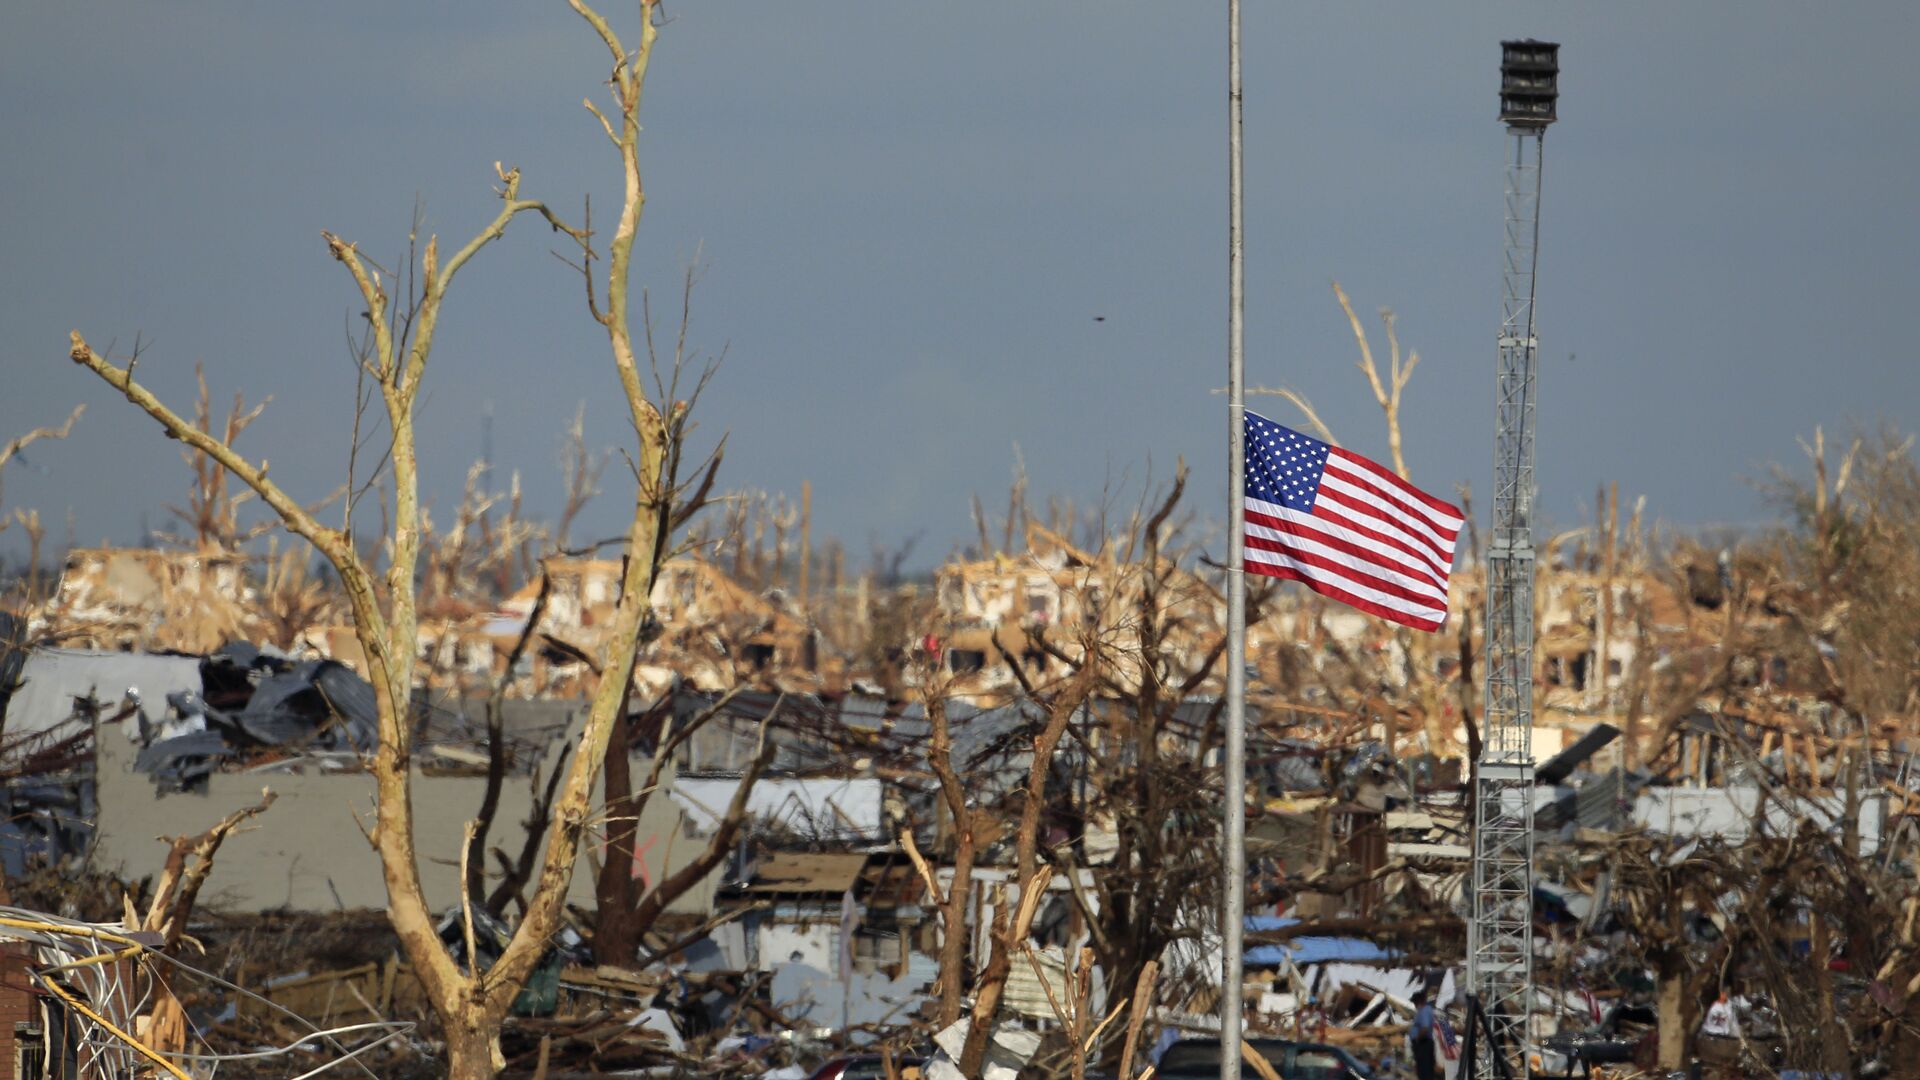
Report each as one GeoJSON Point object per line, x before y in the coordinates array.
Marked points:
{"type": "Point", "coordinates": [833, 912]}
{"type": "Point", "coordinates": [703, 628]}
{"type": "Point", "coordinates": [1036, 608]}
{"type": "Point", "coordinates": [154, 600]}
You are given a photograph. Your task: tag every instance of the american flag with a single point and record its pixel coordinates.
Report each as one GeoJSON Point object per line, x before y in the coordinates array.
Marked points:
{"type": "Point", "coordinates": [1346, 527]}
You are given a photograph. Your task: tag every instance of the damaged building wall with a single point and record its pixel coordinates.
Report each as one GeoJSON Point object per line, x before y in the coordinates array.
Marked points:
{"type": "Point", "coordinates": [51, 679]}
{"type": "Point", "coordinates": [1047, 601]}
{"type": "Point", "coordinates": [308, 853]}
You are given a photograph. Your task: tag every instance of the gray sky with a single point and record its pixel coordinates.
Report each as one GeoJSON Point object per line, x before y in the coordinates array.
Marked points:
{"type": "Point", "coordinates": [912, 214]}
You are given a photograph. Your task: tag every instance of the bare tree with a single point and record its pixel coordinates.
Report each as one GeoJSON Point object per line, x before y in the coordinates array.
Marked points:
{"type": "Point", "coordinates": [404, 315]}
{"type": "Point", "coordinates": [29, 522]}
{"type": "Point", "coordinates": [969, 822]}
{"type": "Point", "coordinates": [20, 442]}
{"type": "Point", "coordinates": [212, 511]}
{"type": "Point", "coordinates": [1823, 598]}
{"type": "Point", "coordinates": [1113, 692]}
{"type": "Point", "coordinates": [1387, 393]}
{"type": "Point", "coordinates": [163, 1026]}
{"type": "Point", "coordinates": [30, 519]}
{"type": "Point", "coordinates": [1147, 780]}
{"type": "Point", "coordinates": [1030, 876]}
{"type": "Point", "coordinates": [580, 470]}
{"type": "Point", "coordinates": [291, 598]}
{"type": "Point", "coordinates": [625, 912]}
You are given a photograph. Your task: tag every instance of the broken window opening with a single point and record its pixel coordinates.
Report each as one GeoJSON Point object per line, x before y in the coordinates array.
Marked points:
{"type": "Point", "coordinates": [1040, 608]}
{"type": "Point", "coordinates": [30, 1052]}
{"type": "Point", "coordinates": [963, 661]}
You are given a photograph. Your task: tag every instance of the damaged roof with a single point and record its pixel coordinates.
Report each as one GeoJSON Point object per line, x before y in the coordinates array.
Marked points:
{"type": "Point", "coordinates": [800, 872]}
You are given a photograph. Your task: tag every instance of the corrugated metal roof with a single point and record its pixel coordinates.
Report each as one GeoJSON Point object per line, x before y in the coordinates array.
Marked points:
{"type": "Point", "coordinates": [1025, 995]}
{"type": "Point", "coordinates": [863, 712]}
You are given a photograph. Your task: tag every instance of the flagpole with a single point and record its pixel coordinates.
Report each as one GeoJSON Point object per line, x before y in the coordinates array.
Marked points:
{"type": "Point", "coordinates": [1234, 766]}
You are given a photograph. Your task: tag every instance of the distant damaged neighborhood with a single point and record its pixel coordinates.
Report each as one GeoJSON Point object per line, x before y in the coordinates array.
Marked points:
{"type": "Point", "coordinates": [716, 713]}
{"type": "Point", "coordinates": [822, 827]}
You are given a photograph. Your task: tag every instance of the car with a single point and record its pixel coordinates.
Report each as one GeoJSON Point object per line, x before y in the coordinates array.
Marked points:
{"type": "Point", "coordinates": [1196, 1059]}
{"type": "Point", "coordinates": [868, 1067]}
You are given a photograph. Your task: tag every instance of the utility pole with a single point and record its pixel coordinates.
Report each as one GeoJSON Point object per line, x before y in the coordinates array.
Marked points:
{"type": "Point", "coordinates": [1500, 941]}
{"type": "Point", "coordinates": [1233, 780]}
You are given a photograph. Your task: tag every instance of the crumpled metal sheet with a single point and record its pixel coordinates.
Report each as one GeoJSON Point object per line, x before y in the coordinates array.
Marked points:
{"type": "Point", "coordinates": [177, 763]}
{"type": "Point", "coordinates": [318, 703]}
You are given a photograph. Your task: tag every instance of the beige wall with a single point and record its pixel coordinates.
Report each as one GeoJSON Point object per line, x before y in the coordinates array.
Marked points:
{"type": "Point", "coordinates": [307, 852]}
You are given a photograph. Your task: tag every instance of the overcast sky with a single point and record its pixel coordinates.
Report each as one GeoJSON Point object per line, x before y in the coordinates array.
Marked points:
{"type": "Point", "coordinates": [934, 231]}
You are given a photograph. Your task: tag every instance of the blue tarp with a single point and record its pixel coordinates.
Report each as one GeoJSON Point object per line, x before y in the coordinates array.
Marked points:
{"type": "Point", "coordinates": [1309, 950]}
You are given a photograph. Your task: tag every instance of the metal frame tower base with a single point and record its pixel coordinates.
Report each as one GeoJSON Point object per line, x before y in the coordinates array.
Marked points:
{"type": "Point", "coordinates": [1500, 934]}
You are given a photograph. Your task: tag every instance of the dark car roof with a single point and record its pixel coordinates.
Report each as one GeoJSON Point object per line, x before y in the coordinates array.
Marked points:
{"type": "Point", "coordinates": [1201, 1057]}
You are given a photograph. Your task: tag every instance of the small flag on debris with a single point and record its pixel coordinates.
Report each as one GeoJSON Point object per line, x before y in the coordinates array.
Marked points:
{"type": "Point", "coordinates": [1346, 527]}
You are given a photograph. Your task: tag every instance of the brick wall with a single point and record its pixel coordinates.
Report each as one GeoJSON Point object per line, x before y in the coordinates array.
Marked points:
{"type": "Point", "coordinates": [18, 1004]}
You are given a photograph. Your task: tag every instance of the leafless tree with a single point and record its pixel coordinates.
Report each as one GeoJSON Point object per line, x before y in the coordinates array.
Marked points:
{"type": "Point", "coordinates": [969, 822]}
{"type": "Point", "coordinates": [1114, 693]}
{"type": "Point", "coordinates": [404, 314]}
{"type": "Point", "coordinates": [1010, 930]}
{"type": "Point", "coordinates": [624, 911]}
{"type": "Point", "coordinates": [29, 520]}
{"type": "Point", "coordinates": [212, 510]}
{"type": "Point", "coordinates": [15, 445]}
{"type": "Point", "coordinates": [1148, 780]}
{"type": "Point", "coordinates": [580, 471]}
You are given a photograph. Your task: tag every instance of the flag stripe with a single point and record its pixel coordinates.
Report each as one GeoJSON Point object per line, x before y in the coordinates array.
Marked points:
{"type": "Point", "coordinates": [1340, 512]}
{"type": "Point", "coordinates": [1338, 564]}
{"type": "Point", "coordinates": [1379, 506]}
{"type": "Point", "coordinates": [1438, 562]}
{"type": "Point", "coordinates": [1389, 501]}
{"type": "Point", "coordinates": [1443, 514]}
{"type": "Point", "coordinates": [1419, 619]}
{"type": "Point", "coordinates": [1371, 552]}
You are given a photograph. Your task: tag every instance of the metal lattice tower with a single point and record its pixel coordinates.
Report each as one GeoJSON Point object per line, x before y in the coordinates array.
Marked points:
{"type": "Point", "coordinates": [1500, 936]}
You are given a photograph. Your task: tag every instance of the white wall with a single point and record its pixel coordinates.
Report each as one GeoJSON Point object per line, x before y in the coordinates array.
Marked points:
{"type": "Point", "coordinates": [817, 943]}
{"type": "Point", "coordinates": [1727, 813]}
{"type": "Point", "coordinates": [307, 852]}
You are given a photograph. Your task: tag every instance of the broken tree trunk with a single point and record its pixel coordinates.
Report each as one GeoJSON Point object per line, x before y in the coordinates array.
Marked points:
{"type": "Point", "coordinates": [1031, 879]}
{"type": "Point", "coordinates": [1674, 1008]}
{"type": "Point", "coordinates": [953, 906]}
